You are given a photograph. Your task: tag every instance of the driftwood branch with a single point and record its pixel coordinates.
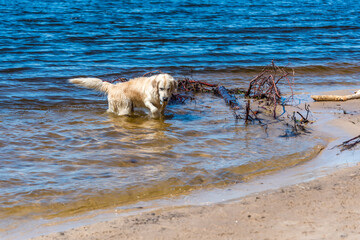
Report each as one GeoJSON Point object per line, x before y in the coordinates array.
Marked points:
{"type": "Point", "coordinates": [336, 97]}
{"type": "Point", "coordinates": [349, 143]}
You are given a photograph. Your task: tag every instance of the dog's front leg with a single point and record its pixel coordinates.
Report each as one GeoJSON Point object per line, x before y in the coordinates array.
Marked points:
{"type": "Point", "coordinates": [154, 111]}
{"type": "Point", "coordinates": [162, 108]}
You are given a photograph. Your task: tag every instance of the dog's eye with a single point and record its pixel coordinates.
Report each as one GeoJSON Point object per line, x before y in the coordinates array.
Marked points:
{"type": "Point", "coordinates": [162, 89]}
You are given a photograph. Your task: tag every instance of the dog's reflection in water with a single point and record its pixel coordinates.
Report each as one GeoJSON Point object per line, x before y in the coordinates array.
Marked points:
{"type": "Point", "coordinates": [141, 131]}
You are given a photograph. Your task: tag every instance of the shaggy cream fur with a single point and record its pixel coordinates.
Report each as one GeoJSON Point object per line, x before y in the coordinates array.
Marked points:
{"type": "Point", "coordinates": [144, 92]}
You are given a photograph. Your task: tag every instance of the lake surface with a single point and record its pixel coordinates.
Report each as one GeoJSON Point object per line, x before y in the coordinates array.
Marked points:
{"type": "Point", "coordinates": [62, 154]}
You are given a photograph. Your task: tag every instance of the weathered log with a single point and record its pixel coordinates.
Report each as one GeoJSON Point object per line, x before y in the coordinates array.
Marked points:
{"type": "Point", "coordinates": [336, 97]}
{"type": "Point", "coordinates": [229, 99]}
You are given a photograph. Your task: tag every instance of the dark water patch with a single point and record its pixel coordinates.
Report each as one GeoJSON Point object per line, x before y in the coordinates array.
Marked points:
{"type": "Point", "coordinates": [14, 70]}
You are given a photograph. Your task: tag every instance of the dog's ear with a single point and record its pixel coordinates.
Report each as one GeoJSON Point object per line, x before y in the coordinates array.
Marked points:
{"type": "Point", "coordinates": [154, 82]}
{"type": "Point", "coordinates": [174, 85]}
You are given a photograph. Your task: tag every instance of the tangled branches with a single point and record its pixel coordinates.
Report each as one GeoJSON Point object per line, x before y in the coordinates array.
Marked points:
{"type": "Point", "coordinates": [265, 85]}
{"type": "Point", "coordinates": [189, 85]}
{"type": "Point", "coordinates": [298, 125]}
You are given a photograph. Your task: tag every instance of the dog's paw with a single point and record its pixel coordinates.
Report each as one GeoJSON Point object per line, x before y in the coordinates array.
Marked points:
{"type": "Point", "coordinates": [154, 113]}
{"type": "Point", "coordinates": [154, 116]}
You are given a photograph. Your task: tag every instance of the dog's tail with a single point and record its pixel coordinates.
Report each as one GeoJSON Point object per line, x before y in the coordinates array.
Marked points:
{"type": "Point", "coordinates": [92, 83]}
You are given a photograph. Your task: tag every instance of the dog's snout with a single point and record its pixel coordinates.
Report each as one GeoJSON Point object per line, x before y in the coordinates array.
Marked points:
{"type": "Point", "coordinates": [165, 99]}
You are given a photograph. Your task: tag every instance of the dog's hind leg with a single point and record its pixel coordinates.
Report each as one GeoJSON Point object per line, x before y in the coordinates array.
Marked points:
{"type": "Point", "coordinates": [111, 106]}
{"type": "Point", "coordinates": [124, 111]}
{"type": "Point", "coordinates": [124, 107]}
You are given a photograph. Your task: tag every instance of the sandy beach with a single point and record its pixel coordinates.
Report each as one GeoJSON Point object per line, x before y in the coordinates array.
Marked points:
{"type": "Point", "coordinates": [324, 208]}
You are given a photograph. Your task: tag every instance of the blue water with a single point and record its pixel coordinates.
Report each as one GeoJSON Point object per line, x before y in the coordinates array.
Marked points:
{"type": "Point", "coordinates": [61, 153]}
{"type": "Point", "coordinates": [55, 39]}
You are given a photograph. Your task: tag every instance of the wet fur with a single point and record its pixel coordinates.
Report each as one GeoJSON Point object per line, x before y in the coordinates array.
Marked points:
{"type": "Point", "coordinates": [144, 92]}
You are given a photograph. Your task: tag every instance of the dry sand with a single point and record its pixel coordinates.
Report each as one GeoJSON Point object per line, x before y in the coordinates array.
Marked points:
{"type": "Point", "coordinates": [325, 208]}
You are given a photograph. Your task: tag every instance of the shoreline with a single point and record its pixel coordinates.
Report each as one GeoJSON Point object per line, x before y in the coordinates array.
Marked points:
{"type": "Point", "coordinates": [325, 208]}
{"type": "Point", "coordinates": [268, 209]}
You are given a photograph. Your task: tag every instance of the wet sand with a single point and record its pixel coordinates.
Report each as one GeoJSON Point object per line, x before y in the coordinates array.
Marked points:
{"type": "Point", "coordinates": [325, 208]}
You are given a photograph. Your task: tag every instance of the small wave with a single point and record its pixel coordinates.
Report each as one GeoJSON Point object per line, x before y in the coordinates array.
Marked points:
{"type": "Point", "coordinates": [315, 70]}
{"type": "Point", "coordinates": [329, 69]}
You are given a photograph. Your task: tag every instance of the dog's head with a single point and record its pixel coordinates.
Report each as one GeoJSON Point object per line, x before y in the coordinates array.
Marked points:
{"type": "Point", "coordinates": [165, 85]}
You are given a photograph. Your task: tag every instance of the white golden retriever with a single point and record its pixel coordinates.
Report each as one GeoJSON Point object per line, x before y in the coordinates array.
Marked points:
{"type": "Point", "coordinates": [150, 92]}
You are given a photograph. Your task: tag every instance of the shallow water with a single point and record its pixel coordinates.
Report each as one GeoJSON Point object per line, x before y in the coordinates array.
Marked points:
{"type": "Point", "coordinates": [62, 154]}
{"type": "Point", "coordinates": [66, 160]}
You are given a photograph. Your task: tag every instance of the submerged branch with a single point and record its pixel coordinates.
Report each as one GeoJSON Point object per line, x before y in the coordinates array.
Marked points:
{"type": "Point", "coordinates": [177, 98]}
{"type": "Point", "coordinates": [229, 100]}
